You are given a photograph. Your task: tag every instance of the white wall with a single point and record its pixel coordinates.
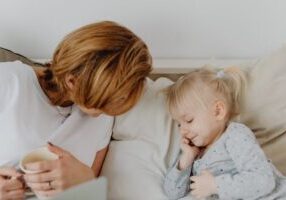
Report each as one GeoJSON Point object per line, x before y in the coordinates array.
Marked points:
{"type": "Point", "coordinates": [177, 28]}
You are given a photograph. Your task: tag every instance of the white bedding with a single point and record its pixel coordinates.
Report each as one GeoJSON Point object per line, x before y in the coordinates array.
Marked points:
{"type": "Point", "coordinates": [142, 148]}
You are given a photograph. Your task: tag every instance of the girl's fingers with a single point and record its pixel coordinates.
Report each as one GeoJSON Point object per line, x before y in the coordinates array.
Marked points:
{"type": "Point", "coordinates": [48, 193]}
{"type": "Point", "coordinates": [185, 140]}
{"type": "Point", "coordinates": [193, 178]}
{"type": "Point", "coordinates": [193, 186]}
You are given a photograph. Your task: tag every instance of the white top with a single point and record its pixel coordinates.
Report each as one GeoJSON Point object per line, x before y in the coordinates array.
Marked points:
{"type": "Point", "coordinates": [28, 120]}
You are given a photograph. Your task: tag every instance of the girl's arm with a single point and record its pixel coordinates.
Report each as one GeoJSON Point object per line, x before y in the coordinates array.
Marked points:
{"type": "Point", "coordinates": [98, 161]}
{"type": "Point", "coordinates": [176, 182]}
{"type": "Point", "coordinates": [255, 175]}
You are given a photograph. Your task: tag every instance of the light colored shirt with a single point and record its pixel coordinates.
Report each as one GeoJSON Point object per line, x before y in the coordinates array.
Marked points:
{"type": "Point", "coordinates": [29, 121]}
{"type": "Point", "coordinates": [240, 168]}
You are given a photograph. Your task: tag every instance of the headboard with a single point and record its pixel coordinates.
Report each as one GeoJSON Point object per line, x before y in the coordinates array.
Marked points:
{"type": "Point", "coordinates": [170, 68]}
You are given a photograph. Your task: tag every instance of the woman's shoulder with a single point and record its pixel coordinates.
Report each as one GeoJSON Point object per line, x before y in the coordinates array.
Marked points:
{"type": "Point", "coordinates": [14, 69]}
{"type": "Point", "coordinates": [14, 77]}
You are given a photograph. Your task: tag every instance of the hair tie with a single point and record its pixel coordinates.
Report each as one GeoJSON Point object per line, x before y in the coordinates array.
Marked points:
{"type": "Point", "coordinates": [220, 74]}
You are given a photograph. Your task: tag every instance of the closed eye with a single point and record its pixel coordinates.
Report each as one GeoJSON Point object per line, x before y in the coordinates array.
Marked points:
{"type": "Point", "coordinates": [189, 121]}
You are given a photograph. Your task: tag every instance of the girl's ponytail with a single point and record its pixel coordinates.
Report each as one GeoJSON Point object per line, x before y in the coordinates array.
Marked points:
{"type": "Point", "coordinates": [231, 84]}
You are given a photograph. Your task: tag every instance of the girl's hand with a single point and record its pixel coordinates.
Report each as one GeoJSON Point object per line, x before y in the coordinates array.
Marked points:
{"type": "Point", "coordinates": [203, 186]}
{"type": "Point", "coordinates": [189, 153]}
{"type": "Point", "coordinates": [58, 174]}
{"type": "Point", "coordinates": [10, 186]}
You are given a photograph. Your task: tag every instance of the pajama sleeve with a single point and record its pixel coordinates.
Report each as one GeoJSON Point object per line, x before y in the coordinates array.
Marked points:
{"type": "Point", "coordinates": [177, 183]}
{"type": "Point", "coordinates": [255, 177]}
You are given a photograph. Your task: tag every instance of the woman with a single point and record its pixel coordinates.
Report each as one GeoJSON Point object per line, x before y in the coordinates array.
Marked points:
{"type": "Point", "coordinates": [97, 72]}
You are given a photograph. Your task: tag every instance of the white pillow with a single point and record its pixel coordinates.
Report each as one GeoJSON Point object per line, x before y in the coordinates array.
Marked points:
{"type": "Point", "coordinates": [144, 146]}
{"type": "Point", "coordinates": [265, 106]}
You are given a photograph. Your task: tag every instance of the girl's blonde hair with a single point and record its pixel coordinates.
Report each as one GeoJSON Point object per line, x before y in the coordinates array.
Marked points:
{"type": "Point", "coordinates": [204, 85]}
{"type": "Point", "coordinates": [109, 63]}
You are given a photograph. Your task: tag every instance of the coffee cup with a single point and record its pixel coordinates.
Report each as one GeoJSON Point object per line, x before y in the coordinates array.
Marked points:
{"type": "Point", "coordinates": [37, 155]}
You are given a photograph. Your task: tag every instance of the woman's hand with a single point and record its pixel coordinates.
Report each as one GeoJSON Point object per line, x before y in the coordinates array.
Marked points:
{"type": "Point", "coordinates": [189, 153]}
{"type": "Point", "coordinates": [10, 186]}
{"type": "Point", "coordinates": [58, 174]}
{"type": "Point", "coordinates": [203, 186]}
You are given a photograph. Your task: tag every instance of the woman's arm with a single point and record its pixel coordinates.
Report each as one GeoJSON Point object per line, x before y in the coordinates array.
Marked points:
{"type": "Point", "coordinates": [98, 161]}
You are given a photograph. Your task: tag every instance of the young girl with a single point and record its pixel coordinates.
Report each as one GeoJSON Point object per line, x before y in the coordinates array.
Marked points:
{"type": "Point", "coordinates": [219, 159]}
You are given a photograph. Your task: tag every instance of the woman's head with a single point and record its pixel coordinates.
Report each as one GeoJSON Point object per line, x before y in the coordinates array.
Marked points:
{"type": "Point", "coordinates": [100, 66]}
{"type": "Point", "coordinates": [204, 100]}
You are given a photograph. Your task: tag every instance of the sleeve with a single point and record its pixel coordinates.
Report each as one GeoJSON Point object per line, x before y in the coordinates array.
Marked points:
{"type": "Point", "coordinates": [105, 139]}
{"type": "Point", "coordinates": [6, 86]}
{"type": "Point", "coordinates": [2, 82]}
{"type": "Point", "coordinates": [176, 182]}
{"type": "Point", "coordinates": [255, 176]}
{"type": "Point", "coordinates": [3, 90]}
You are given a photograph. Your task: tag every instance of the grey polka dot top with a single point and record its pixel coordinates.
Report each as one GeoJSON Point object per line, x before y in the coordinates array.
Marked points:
{"type": "Point", "coordinates": [240, 168]}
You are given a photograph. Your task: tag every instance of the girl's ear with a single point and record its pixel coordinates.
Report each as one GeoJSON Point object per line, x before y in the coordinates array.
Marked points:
{"type": "Point", "coordinates": [220, 110]}
{"type": "Point", "coordinates": [70, 81]}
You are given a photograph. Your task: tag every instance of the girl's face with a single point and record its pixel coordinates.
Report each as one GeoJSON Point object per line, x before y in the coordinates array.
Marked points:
{"type": "Point", "coordinates": [200, 125]}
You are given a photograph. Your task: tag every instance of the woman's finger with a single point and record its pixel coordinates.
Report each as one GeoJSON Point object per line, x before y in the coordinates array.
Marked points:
{"type": "Point", "coordinates": [40, 186]}
{"type": "Point", "coordinates": [12, 184]}
{"type": "Point", "coordinates": [58, 185]}
{"type": "Point", "coordinates": [46, 165]}
{"type": "Point", "coordinates": [39, 178]}
{"type": "Point", "coordinates": [15, 194]}
{"type": "Point", "coordinates": [57, 150]}
{"type": "Point", "coordinates": [11, 172]}
{"type": "Point", "coordinates": [48, 193]}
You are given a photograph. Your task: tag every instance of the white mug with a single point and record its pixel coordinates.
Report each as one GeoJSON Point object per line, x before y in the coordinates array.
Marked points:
{"type": "Point", "coordinates": [37, 155]}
